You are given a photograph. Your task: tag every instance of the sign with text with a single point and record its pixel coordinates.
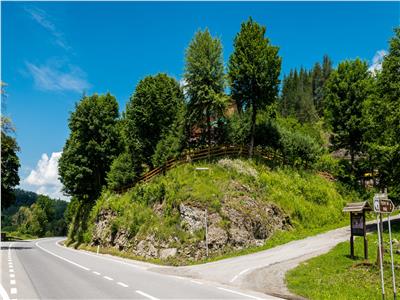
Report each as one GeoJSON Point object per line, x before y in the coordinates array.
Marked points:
{"type": "Point", "coordinates": [357, 224]}
{"type": "Point", "coordinates": [382, 204]}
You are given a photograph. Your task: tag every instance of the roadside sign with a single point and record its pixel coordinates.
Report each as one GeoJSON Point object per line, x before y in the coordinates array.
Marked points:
{"type": "Point", "coordinates": [382, 204]}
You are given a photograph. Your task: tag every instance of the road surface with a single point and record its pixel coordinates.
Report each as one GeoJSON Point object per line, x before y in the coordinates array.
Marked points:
{"type": "Point", "coordinates": [42, 269]}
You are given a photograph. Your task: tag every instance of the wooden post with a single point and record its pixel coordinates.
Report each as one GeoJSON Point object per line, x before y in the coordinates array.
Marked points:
{"type": "Point", "coordinates": [351, 238]}
{"type": "Point", "coordinates": [365, 238]}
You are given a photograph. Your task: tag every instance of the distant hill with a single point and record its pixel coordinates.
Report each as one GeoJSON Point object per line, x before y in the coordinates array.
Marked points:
{"type": "Point", "coordinates": [21, 215]}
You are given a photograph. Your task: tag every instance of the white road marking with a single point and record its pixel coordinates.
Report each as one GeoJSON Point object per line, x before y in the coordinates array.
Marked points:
{"type": "Point", "coordinates": [195, 281]}
{"type": "Point", "coordinates": [241, 273]}
{"type": "Point", "coordinates": [146, 295]}
{"type": "Point", "coordinates": [3, 293]}
{"type": "Point", "coordinates": [12, 275]}
{"type": "Point", "coordinates": [122, 284]}
{"type": "Point", "coordinates": [60, 257]}
{"type": "Point", "coordinates": [108, 278]}
{"type": "Point", "coordinates": [12, 281]}
{"type": "Point", "coordinates": [238, 293]}
{"type": "Point", "coordinates": [13, 291]}
{"type": "Point", "coordinates": [11, 270]}
{"type": "Point", "coordinates": [97, 273]}
{"type": "Point", "coordinates": [100, 256]}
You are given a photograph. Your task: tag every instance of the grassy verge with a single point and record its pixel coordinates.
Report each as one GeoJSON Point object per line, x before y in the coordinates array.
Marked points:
{"type": "Point", "coordinates": [15, 235]}
{"type": "Point", "coordinates": [336, 276]}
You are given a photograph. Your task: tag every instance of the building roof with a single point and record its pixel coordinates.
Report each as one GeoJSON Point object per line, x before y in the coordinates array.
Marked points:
{"type": "Point", "coordinates": [357, 207]}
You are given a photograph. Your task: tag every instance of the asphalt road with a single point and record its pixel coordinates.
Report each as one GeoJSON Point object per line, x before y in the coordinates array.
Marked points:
{"type": "Point", "coordinates": [42, 269]}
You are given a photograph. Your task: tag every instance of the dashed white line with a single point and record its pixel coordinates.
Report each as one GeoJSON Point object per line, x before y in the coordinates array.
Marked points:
{"type": "Point", "coordinates": [96, 273]}
{"type": "Point", "coordinates": [108, 278]}
{"type": "Point", "coordinates": [122, 284]}
{"type": "Point", "coordinates": [238, 293]}
{"type": "Point", "coordinates": [195, 281]}
{"type": "Point", "coordinates": [13, 291]}
{"type": "Point", "coordinates": [60, 257]}
{"type": "Point", "coordinates": [11, 270]}
{"type": "Point", "coordinates": [12, 281]}
{"type": "Point", "coordinates": [241, 273]}
{"type": "Point", "coordinates": [146, 295]}
{"type": "Point", "coordinates": [12, 275]}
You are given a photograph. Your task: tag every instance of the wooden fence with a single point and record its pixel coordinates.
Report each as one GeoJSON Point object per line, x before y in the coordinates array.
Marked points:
{"type": "Point", "coordinates": [213, 152]}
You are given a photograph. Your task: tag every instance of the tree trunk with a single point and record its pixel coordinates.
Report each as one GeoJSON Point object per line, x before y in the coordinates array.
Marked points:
{"type": "Point", "coordinates": [253, 129]}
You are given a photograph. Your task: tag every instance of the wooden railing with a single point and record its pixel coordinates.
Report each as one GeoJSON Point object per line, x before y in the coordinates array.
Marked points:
{"type": "Point", "coordinates": [192, 155]}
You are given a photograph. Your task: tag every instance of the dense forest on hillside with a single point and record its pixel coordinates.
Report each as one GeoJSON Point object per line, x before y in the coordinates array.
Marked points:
{"type": "Point", "coordinates": [341, 120]}
{"type": "Point", "coordinates": [34, 215]}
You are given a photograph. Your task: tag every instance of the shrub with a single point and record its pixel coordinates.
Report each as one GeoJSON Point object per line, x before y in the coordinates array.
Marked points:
{"type": "Point", "coordinates": [299, 150]}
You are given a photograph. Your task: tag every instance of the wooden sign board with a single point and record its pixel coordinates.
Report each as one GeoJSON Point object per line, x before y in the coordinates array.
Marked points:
{"type": "Point", "coordinates": [357, 224]}
{"type": "Point", "coordinates": [383, 205]}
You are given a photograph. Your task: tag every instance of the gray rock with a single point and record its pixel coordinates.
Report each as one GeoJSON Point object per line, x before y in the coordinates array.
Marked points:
{"type": "Point", "coordinates": [169, 252]}
{"type": "Point", "coordinates": [192, 217]}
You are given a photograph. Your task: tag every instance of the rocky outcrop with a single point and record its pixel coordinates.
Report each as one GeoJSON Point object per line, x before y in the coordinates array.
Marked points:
{"type": "Point", "coordinates": [242, 221]}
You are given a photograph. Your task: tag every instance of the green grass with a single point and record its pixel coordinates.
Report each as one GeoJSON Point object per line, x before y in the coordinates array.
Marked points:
{"type": "Point", "coordinates": [336, 276]}
{"type": "Point", "coordinates": [313, 203]}
{"type": "Point", "coordinates": [16, 235]}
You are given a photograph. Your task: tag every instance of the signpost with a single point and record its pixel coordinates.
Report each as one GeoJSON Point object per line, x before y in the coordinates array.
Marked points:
{"type": "Point", "coordinates": [383, 205]}
{"type": "Point", "coordinates": [357, 224]}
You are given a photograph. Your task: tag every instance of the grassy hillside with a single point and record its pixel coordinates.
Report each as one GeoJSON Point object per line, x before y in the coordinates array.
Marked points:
{"type": "Point", "coordinates": [310, 202]}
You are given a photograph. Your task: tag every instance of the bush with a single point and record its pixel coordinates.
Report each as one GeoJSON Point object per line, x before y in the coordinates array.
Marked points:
{"type": "Point", "coordinates": [238, 128]}
{"type": "Point", "coordinates": [299, 150]}
{"type": "Point", "coordinates": [124, 171]}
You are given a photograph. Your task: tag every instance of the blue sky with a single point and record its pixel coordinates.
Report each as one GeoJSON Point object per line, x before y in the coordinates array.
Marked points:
{"type": "Point", "coordinates": [54, 51]}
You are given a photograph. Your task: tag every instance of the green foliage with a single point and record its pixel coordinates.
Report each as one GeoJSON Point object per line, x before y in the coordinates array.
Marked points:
{"type": "Point", "coordinates": [298, 149]}
{"type": "Point", "coordinates": [238, 128]}
{"type": "Point", "coordinates": [150, 112]}
{"type": "Point", "coordinates": [346, 91]}
{"type": "Point", "coordinates": [254, 69]}
{"type": "Point", "coordinates": [173, 141]}
{"type": "Point", "coordinates": [123, 172]}
{"type": "Point", "coordinates": [382, 120]}
{"type": "Point", "coordinates": [297, 96]}
{"type": "Point", "coordinates": [9, 164]}
{"type": "Point", "coordinates": [92, 145]}
{"type": "Point", "coordinates": [45, 217]}
{"type": "Point", "coordinates": [303, 92]}
{"type": "Point", "coordinates": [204, 76]}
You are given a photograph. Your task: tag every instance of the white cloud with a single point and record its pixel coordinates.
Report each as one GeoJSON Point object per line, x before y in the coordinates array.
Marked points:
{"type": "Point", "coordinates": [376, 65]}
{"type": "Point", "coordinates": [44, 20]}
{"type": "Point", "coordinates": [44, 178]}
{"type": "Point", "coordinates": [56, 75]}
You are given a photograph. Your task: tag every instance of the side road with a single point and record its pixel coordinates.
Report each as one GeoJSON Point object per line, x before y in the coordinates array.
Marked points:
{"type": "Point", "coordinates": [265, 271]}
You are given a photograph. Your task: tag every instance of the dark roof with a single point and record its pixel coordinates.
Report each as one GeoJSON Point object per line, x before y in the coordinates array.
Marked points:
{"type": "Point", "coordinates": [357, 207]}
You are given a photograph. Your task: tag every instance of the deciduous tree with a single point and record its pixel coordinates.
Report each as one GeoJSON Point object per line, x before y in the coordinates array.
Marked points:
{"type": "Point", "coordinates": [254, 69]}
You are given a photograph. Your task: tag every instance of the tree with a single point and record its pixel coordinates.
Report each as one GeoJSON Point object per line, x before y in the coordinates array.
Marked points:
{"type": "Point", "coordinates": [382, 120]}
{"type": "Point", "coordinates": [297, 96]}
{"type": "Point", "coordinates": [9, 163]}
{"type": "Point", "coordinates": [319, 76]}
{"type": "Point", "coordinates": [204, 76]}
{"type": "Point", "coordinates": [150, 112]}
{"type": "Point", "coordinates": [346, 90]}
{"type": "Point", "coordinates": [254, 69]}
{"type": "Point", "coordinates": [91, 147]}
